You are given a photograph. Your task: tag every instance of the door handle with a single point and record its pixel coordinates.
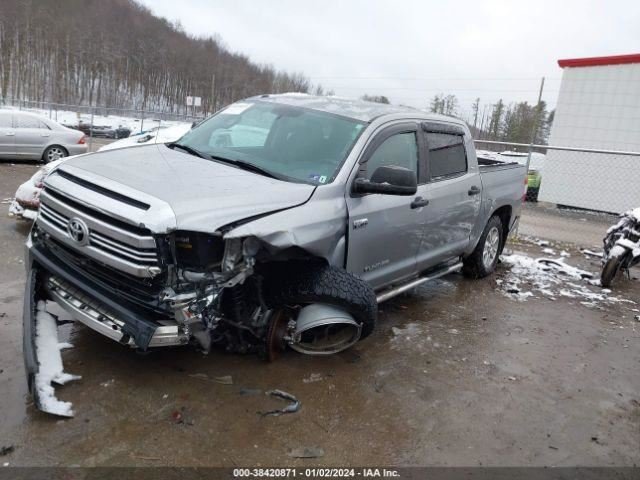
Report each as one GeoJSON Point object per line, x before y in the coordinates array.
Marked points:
{"type": "Point", "coordinates": [474, 190]}
{"type": "Point", "coordinates": [419, 202]}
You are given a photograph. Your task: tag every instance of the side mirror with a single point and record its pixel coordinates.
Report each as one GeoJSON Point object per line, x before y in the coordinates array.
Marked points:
{"type": "Point", "coordinates": [389, 180]}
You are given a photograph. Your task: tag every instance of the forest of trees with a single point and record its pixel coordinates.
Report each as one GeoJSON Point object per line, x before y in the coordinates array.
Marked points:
{"type": "Point", "coordinates": [509, 123]}
{"type": "Point", "coordinates": [116, 53]}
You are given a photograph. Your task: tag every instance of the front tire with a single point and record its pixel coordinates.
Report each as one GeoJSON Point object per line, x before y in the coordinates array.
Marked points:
{"type": "Point", "coordinates": [53, 153]}
{"type": "Point", "coordinates": [305, 283]}
{"type": "Point", "coordinates": [611, 267]}
{"type": "Point", "coordinates": [483, 260]}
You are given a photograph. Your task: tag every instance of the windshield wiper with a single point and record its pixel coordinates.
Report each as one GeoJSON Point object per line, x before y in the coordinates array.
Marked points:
{"type": "Point", "coordinates": [247, 166]}
{"type": "Point", "coordinates": [187, 149]}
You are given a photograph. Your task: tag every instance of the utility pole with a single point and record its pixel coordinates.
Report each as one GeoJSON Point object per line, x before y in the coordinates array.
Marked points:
{"type": "Point", "coordinates": [535, 124]}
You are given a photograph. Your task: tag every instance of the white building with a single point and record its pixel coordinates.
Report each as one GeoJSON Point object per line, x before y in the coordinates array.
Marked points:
{"type": "Point", "coordinates": [598, 107]}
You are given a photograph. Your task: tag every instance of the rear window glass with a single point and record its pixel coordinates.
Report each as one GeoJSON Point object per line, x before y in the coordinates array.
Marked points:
{"type": "Point", "coordinates": [447, 156]}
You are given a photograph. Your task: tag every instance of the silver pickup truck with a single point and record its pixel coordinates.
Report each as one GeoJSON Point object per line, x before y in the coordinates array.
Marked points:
{"type": "Point", "coordinates": [281, 221]}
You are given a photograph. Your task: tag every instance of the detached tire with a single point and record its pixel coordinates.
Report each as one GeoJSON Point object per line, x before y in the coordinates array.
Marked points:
{"type": "Point", "coordinates": [483, 260]}
{"type": "Point", "coordinates": [304, 283]}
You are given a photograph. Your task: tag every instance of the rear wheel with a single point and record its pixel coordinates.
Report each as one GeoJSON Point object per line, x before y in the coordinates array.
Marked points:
{"type": "Point", "coordinates": [53, 153]}
{"type": "Point", "coordinates": [483, 260]}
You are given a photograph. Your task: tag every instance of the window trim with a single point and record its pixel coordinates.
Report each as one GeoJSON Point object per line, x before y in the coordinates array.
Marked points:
{"type": "Point", "coordinates": [379, 138]}
{"type": "Point", "coordinates": [457, 131]}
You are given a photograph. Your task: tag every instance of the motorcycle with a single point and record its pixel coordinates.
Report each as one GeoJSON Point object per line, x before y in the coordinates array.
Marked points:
{"type": "Point", "coordinates": [621, 247]}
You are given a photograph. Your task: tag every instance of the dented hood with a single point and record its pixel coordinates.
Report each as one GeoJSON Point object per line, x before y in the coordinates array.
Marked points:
{"type": "Point", "coordinates": [204, 195]}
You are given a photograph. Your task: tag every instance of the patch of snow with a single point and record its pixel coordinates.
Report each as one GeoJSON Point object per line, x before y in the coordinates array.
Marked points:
{"type": "Point", "coordinates": [410, 330]}
{"type": "Point", "coordinates": [29, 214]}
{"type": "Point", "coordinates": [549, 251]}
{"type": "Point", "coordinates": [591, 253]}
{"type": "Point", "coordinates": [551, 278]}
{"type": "Point", "coordinates": [50, 369]}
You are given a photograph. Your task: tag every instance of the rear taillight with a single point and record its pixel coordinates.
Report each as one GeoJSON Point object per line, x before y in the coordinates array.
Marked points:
{"type": "Point", "coordinates": [81, 141]}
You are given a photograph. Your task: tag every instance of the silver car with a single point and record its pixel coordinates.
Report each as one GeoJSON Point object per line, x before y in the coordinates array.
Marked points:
{"type": "Point", "coordinates": [27, 136]}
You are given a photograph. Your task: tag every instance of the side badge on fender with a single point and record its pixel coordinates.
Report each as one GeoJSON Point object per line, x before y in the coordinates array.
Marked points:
{"type": "Point", "coordinates": [360, 223]}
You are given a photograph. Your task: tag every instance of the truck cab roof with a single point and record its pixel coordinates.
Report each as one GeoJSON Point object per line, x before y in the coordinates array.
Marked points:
{"type": "Point", "coordinates": [352, 108]}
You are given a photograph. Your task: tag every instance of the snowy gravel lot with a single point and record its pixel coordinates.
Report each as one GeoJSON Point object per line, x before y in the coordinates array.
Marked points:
{"type": "Point", "coordinates": [536, 365]}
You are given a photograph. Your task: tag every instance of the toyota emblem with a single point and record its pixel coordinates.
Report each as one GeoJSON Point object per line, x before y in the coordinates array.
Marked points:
{"type": "Point", "coordinates": [78, 231]}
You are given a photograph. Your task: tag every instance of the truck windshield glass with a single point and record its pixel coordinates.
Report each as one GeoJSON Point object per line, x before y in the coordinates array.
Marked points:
{"type": "Point", "coordinates": [292, 143]}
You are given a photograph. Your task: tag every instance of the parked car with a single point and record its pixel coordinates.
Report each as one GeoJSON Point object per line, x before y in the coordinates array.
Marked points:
{"type": "Point", "coordinates": [27, 198]}
{"type": "Point", "coordinates": [27, 136]}
{"type": "Point", "coordinates": [287, 234]}
{"type": "Point", "coordinates": [104, 131]}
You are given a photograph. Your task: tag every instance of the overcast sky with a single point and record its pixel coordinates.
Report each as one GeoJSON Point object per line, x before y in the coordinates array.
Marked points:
{"type": "Point", "coordinates": [410, 50]}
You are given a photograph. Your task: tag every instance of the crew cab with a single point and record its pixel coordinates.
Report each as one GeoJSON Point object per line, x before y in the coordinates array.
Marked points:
{"type": "Point", "coordinates": [280, 222]}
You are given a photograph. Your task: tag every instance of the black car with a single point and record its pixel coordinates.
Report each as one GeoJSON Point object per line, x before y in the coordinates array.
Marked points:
{"type": "Point", "coordinates": [103, 131]}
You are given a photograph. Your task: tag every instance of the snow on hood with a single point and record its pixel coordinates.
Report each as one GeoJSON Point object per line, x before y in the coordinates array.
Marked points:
{"type": "Point", "coordinates": [203, 194]}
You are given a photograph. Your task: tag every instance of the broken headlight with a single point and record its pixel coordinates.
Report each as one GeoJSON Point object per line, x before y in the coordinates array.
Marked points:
{"type": "Point", "coordinates": [198, 251]}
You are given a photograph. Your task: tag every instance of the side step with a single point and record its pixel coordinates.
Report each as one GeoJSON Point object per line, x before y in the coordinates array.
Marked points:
{"type": "Point", "coordinates": [397, 290]}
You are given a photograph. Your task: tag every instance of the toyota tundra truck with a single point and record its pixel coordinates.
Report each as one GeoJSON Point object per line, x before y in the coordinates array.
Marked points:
{"type": "Point", "coordinates": [280, 222]}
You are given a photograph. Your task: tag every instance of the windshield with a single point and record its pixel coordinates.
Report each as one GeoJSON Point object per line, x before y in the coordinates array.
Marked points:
{"type": "Point", "coordinates": [291, 143]}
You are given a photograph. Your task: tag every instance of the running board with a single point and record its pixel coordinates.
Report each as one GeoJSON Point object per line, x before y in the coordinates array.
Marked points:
{"type": "Point", "coordinates": [392, 292]}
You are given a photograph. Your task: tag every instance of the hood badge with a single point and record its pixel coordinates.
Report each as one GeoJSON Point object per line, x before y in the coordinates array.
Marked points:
{"type": "Point", "coordinates": [78, 231]}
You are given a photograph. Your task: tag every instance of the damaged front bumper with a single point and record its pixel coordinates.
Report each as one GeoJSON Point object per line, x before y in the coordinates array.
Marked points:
{"type": "Point", "coordinates": [50, 279]}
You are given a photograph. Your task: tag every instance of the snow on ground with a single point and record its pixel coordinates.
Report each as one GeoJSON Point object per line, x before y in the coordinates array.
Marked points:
{"type": "Point", "coordinates": [529, 277]}
{"type": "Point", "coordinates": [50, 369]}
{"type": "Point", "coordinates": [135, 124]}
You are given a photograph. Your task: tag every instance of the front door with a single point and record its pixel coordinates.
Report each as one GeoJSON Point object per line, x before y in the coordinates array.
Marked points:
{"type": "Point", "coordinates": [7, 136]}
{"type": "Point", "coordinates": [385, 231]}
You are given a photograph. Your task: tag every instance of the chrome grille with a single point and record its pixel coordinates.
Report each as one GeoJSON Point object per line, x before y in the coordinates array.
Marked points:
{"type": "Point", "coordinates": [129, 250]}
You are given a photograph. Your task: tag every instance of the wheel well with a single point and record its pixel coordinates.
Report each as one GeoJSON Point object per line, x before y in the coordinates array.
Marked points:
{"type": "Point", "coordinates": [504, 214]}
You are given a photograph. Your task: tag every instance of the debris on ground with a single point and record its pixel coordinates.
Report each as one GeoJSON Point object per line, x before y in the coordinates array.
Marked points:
{"type": "Point", "coordinates": [6, 450]}
{"type": "Point", "coordinates": [179, 417]}
{"type": "Point", "coordinates": [306, 452]}
{"type": "Point", "coordinates": [50, 368]}
{"type": "Point", "coordinates": [224, 380]}
{"type": "Point", "coordinates": [108, 383]}
{"type": "Point", "coordinates": [591, 253]}
{"type": "Point", "coordinates": [293, 407]}
{"type": "Point", "coordinates": [250, 391]}
{"type": "Point", "coordinates": [314, 377]}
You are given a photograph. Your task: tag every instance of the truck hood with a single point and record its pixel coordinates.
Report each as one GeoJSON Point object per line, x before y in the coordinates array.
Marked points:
{"type": "Point", "coordinates": [203, 195]}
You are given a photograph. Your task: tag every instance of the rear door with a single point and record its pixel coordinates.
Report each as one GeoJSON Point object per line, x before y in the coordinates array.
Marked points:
{"type": "Point", "coordinates": [31, 136]}
{"type": "Point", "coordinates": [385, 231]}
{"type": "Point", "coordinates": [454, 194]}
{"type": "Point", "coordinates": [7, 136]}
